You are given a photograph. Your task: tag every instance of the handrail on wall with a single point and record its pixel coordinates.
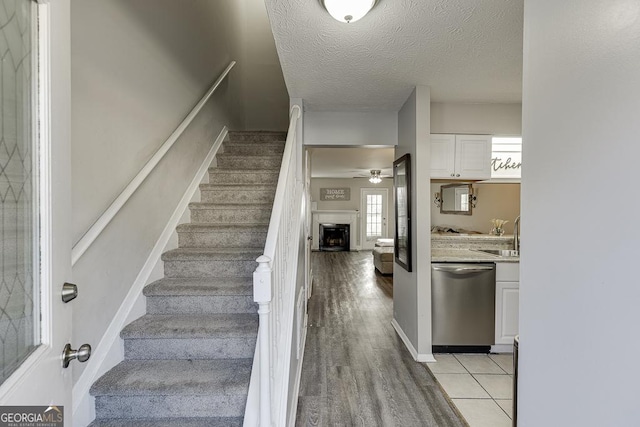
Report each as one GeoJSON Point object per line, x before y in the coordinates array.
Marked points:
{"type": "Point", "coordinates": [101, 223]}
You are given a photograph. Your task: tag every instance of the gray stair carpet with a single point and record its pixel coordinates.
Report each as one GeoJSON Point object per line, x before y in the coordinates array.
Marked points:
{"type": "Point", "coordinates": [188, 360]}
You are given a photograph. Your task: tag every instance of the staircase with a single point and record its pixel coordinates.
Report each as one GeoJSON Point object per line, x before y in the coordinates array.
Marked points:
{"type": "Point", "coordinates": [188, 360]}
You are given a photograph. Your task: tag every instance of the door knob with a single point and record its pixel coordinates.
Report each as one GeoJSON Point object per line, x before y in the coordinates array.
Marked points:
{"type": "Point", "coordinates": [82, 354]}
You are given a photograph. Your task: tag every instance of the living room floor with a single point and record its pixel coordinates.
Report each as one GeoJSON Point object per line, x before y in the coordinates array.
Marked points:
{"type": "Point", "coordinates": [356, 370]}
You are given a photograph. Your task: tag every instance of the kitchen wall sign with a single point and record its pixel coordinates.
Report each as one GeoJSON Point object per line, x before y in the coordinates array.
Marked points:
{"type": "Point", "coordinates": [506, 158]}
{"type": "Point", "coordinates": [335, 194]}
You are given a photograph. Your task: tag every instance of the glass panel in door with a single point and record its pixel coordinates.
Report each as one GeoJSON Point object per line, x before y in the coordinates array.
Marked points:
{"type": "Point", "coordinates": [374, 216]}
{"type": "Point", "coordinates": [19, 230]}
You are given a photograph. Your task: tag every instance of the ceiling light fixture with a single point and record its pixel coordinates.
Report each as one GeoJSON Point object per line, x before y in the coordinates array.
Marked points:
{"type": "Point", "coordinates": [348, 10]}
{"type": "Point", "coordinates": [375, 177]}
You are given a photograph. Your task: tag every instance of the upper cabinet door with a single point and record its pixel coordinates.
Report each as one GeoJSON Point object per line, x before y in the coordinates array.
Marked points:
{"type": "Point", "coordinates": [443, 149]}
{"type": "Point", "coordinates": [473, 157]}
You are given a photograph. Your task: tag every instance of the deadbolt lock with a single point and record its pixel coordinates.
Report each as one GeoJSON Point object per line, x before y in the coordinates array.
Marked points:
{"type": "Point", "coordinates": [69, 292]}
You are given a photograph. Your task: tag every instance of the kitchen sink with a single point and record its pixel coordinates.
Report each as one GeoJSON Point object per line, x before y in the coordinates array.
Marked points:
{"type": "Point", "coordinates": [500, 252]}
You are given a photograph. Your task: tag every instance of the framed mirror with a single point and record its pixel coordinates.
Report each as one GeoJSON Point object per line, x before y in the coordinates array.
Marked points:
{"type": "Point", "coordinates": [456, 199]}
{"type": "Point", "coordinates": [402, 185]}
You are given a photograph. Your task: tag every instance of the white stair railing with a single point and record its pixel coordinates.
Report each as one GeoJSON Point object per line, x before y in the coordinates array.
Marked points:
{"type": "Point", "coordinates": [274, 282]}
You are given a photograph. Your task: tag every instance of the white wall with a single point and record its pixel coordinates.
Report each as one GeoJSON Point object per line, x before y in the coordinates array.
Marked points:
{"type": "Point", "coordinates": [579, 306]}
{"type": "Point", "coordinates": [494, 201]}
{"type": "Point", "coordinates": [492, 119]}
{"type": "Point", "coordinates": [412, 290]}
{"type": "Point", "coordinates": [351, 128]}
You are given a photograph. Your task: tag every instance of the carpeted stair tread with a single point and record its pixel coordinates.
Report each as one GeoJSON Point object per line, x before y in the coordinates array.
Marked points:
{"type": "Point", "coordinates": [276, 147]}
{"type": "Point", "coordinates": [204, 228]}
{"type": "Point", "coordinates": [216, 170]}
{"type": "Point", "coordinates": [265, 156]}
{"type": "Point", "coordinates": [188, 326]}
{"type": "Point", "coordinates": [204, 286]}
{"type": "Point", "coordinates": [243, 162]}
{"type": "Point", "coordinates": [175, 377]}
{"type": "Point", "coordinates": [238, 187]}
{"type": "Point", "coordinates": [230, 206]}
{"type": "Point", "coordinates": [168, 422]}
{"type": "Point", "coordinates": [274, 143]}
{"type": "Point", "coordinates": [258, 136]}
{"type": "Point", "coordinates": [213, 254]}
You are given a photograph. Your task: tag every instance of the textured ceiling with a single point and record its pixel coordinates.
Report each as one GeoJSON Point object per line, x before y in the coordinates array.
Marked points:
{"type": "Point", "coordinates": [350, 162]}
{"type": "Point", "coordinates": [465, 50]}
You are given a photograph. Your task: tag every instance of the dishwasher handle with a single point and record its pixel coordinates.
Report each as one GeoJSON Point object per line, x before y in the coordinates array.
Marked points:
{"type": "Point", "coordinates": [459, 269]}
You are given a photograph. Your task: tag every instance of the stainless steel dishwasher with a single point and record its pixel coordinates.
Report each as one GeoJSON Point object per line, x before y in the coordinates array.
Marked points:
{"type": "Point", "coordinates": [463, 306]}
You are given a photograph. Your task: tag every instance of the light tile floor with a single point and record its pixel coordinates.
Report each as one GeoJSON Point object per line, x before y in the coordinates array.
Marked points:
{"type": "Point", "coordinates": [480, 385]}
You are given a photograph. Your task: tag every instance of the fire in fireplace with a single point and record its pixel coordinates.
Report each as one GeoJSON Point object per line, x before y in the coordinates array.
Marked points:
{"type": "Point", "coordinates": [334, 237]}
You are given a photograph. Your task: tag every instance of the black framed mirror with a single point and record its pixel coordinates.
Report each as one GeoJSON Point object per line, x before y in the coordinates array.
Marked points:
{"type": "Point", "coordinates": [402, 187]}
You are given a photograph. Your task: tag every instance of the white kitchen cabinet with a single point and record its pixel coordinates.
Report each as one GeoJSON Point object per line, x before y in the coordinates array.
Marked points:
{"type": "Point", "coordinates": [443, 151]}
{"type": "Point", "coordinates": [460, 156]}
{"type": "Point", "coordinates": [507, 304]}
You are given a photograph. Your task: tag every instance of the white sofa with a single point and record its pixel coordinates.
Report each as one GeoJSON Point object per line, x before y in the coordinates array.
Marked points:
{"type": "Point", "coordinates": [383, 256]}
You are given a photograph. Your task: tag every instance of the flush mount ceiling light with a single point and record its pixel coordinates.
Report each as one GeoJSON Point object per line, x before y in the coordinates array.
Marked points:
{"type": "Point", "coordinates": [348, 10]}
{"type": "Point", "coordinates": [375, 177]}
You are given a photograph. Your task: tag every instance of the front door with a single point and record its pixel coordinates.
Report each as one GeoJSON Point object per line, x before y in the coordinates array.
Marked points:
{"type": "Point", "coordinates": [374, 215]}
{"type": "Point", "coordinates": [35, 226]}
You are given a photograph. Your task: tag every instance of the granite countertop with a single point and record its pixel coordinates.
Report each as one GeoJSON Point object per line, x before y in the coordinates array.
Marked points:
{"type": "Point", "coordinates": [467, 255]}
{"type": "Point", "coordinates": [458, 237]}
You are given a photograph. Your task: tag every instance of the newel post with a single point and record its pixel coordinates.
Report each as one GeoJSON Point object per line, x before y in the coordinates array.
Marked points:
{"type": "Point", "coordinates": [262, 295]}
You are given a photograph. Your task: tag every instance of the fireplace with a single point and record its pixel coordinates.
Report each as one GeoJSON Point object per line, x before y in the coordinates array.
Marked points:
{"type": "Point", "coordinates": [334, 237]}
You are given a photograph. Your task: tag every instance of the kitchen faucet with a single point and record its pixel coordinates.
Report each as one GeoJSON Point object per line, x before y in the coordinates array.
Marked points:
{"type": "Point", "coordinates": [516, 234]}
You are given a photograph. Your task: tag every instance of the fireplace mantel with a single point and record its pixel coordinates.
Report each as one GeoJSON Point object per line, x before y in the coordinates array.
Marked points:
{"type": "Point", "coordinates": [334, 217]}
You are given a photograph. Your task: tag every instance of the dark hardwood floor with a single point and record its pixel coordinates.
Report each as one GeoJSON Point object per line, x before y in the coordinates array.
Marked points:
{"type": "Point", "coordinates": [356, 370]}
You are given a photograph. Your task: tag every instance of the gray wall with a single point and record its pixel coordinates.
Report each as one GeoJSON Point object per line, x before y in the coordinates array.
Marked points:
{"type": "Point", "coordinates": [412, 290]}
{"type": "Point", "coordinates": [138, 67]}
{"type": "Point", "coordinates": [581, 97]}
{"type": "Point", "coordinates": [264, 99]}
{"type": "Point", "coordinates": [492, 119]}
{"type": "Point", "coordinates": [350, 128]}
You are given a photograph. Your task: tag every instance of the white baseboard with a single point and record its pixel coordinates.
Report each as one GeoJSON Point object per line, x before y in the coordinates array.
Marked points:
{"type": "Point", "coordinates": [418, 357]}
{"type": "Point", "coordinates": [109, 351]}
{"type": "Point", "coordinates": [502, 348]}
